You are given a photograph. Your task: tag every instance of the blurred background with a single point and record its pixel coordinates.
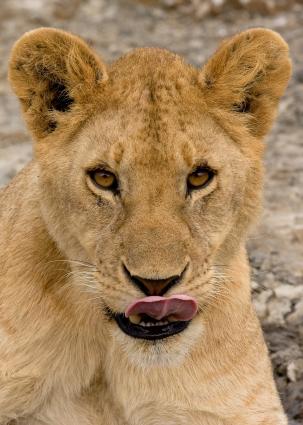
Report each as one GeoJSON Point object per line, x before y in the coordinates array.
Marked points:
{"type": "Point", "coordinates": [193, 28]}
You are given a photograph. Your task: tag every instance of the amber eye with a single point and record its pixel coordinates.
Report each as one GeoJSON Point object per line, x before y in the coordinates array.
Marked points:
{"type": "Point", "coordinates": [199, 178]}
{"type": "Point", "coordinates": [104, 179]}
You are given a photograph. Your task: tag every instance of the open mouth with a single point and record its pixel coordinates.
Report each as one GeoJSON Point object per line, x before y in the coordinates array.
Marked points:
{"type": "Point", "coordinates": [145, 327]}
{"type": "Point", "coordinates": [156, 317]}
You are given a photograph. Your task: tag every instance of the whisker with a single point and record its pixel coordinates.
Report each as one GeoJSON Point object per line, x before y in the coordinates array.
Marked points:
{"type": "Point", "coordinates": [78, 262]}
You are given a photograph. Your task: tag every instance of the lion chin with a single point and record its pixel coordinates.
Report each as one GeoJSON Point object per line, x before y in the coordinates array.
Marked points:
{"type": "Point", "coordinates": [171, 351]}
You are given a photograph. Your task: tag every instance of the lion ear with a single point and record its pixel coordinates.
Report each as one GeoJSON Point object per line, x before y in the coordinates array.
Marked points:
{"type": "Point", "coordinates": [54, 74]}
{"type": "Point", "coordinates": [246, 78]}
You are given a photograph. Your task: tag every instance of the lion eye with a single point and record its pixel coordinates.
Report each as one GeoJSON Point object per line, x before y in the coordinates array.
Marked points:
{"type": "Point", "coordinates": [199, 178]}
{"type": "Point", "coordinates": [104, 179]}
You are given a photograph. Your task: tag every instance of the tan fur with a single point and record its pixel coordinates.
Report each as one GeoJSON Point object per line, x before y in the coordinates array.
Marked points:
{"type": "Point", "coordinates": [151, 118]}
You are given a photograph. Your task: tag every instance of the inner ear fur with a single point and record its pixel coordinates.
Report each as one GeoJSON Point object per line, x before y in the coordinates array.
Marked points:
{"type": "Point", "coordinates": [246, 77]}
{"type": "Point", "coordinates": [53, 73]}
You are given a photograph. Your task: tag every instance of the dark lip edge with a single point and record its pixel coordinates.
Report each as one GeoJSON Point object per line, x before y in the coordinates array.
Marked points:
{"type": "Point", "coordinates": [120, 318]}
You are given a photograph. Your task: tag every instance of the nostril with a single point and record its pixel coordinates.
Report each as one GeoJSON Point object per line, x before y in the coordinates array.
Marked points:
{"type": "Point", "coordinates": [153, 286]}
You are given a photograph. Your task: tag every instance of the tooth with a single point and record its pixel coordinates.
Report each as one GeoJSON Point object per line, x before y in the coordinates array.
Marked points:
{"type": "Point", "coordinates": [172, 318]}
{"type": "Point", "coordinates": [135, 319]}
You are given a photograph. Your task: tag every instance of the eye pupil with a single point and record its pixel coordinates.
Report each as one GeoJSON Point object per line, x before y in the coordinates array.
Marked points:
{"type": "Point", "coordinates": [199, 178]}
{"type": "Point", "coordinates": [104, 179]}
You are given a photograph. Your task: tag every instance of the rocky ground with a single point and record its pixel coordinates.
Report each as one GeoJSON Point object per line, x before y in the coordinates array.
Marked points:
{"type": "Point", "coordinates": [276, 248]}
{"type": "Point", "coordinates": [202, 8]}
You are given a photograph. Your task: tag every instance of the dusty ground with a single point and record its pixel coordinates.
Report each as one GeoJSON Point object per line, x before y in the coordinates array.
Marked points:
{"type": "Point", "coordinates": [276, 249]}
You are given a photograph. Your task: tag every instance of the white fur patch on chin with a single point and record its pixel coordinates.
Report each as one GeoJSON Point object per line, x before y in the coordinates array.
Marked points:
{"type": "Point", "coordinates": [167, 352]}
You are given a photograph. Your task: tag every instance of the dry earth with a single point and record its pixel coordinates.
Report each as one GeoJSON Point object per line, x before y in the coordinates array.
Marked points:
{"type": "Point", "coordinates": [276, 249]}
{"type": "Point", "coordinates": [202, 8]}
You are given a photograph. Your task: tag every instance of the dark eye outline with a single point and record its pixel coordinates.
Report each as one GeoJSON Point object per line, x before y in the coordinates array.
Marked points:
{"type": "Point", "coordinates": [114, 187]}
{"type": "Point", "coordinates": [211, 173]}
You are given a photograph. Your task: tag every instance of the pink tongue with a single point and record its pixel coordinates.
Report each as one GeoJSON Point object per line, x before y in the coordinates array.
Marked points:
{"type": "Point", "coordinates": [182, 307]}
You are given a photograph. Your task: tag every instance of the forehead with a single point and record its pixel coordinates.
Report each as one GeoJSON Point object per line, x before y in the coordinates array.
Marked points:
{"type": "Point", "coordinates": [154, 113]}
{"type": "Point", "coordinates": [116, 138]}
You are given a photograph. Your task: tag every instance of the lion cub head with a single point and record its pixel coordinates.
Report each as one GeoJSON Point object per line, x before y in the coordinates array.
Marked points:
{"type": "Point", "coordinates": [149, 170]}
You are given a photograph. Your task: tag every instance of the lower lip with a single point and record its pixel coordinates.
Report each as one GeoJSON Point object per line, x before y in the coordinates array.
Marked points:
{"type": "Point", "coordinates": [152, 332]}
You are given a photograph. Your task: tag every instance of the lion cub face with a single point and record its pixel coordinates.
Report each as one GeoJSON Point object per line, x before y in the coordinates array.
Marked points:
{"type": "Point", "coordinates": [150, 170]}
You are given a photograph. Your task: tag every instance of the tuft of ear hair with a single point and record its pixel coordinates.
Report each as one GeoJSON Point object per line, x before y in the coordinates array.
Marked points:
{"type": "Point", "coordinates": [244, 80]}
{"type": "Point", "coordinates": [54, 74]}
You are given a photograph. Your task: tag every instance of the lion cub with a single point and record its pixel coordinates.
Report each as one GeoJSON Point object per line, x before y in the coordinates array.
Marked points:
{"type": "Point", "coordinates": [124, 288]}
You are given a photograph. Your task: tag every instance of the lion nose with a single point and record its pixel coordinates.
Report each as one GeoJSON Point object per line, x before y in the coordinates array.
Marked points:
{"type": "Point", "coordinates": [154, 286]}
